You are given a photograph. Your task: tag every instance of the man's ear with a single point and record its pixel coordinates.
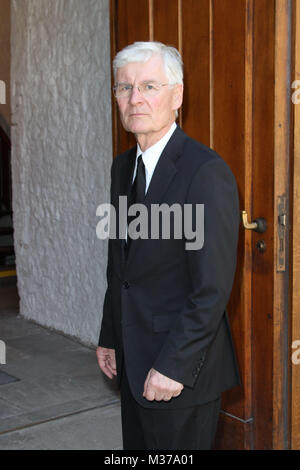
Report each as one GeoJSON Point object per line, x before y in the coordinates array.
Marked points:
{"type": "Point", "coordinates": [177, 96]}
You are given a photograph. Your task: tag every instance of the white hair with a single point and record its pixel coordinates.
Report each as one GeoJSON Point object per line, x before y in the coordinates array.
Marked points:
{"type": "Point", "coordinates": [143, 51]}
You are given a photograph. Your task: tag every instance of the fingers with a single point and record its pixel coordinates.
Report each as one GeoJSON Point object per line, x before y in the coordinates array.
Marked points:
{"type": "Point", "coordinates": [107, 368]}
{"type": "Point", "coordinates": [111, 363]}
{"type": "Point", "coordinates": [107, 361]}
{"type": "Point", "coordinates": [155, 393]}
{"type": "Point", "coordinates": [112, 370]}
{"type": "Point", "coordinates": [160, 388]}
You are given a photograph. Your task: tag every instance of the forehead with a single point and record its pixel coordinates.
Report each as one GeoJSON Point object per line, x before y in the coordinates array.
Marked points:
{"type": "Point", "coordinates": [153, 69]}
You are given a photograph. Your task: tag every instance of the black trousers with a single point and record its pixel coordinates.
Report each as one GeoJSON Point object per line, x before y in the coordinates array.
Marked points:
{"type": "Point", "coordinates": [191, 428]}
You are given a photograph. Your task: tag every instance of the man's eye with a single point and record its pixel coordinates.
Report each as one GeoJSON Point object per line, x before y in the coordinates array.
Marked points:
{"type": "Point", "coordinates": [149, 86]}
{"type": "Point", "coordinates": [124, 87]}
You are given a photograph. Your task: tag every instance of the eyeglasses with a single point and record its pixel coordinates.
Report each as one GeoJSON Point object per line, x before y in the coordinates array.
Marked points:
{"type": "Point", "coordinates": [123, 90]}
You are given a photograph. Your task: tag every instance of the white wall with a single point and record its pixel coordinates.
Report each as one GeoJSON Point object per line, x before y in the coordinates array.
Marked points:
{"type": "Point", "coordinates": [62, 151]}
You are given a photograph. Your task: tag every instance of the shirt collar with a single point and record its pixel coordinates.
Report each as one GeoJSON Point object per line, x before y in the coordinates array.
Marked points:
{"type": "Point", "coordinates": [151, 155]}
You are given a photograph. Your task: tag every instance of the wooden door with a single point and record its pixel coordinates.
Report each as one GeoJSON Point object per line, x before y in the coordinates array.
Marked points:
{"type": "Point", "coordinates": [295, 252]}
{"type": "Point", "coordinates": [237, 56]}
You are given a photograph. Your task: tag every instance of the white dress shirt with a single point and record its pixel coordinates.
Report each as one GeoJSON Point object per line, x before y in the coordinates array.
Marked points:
{"type": "Point", "coordinates": [151, 155]}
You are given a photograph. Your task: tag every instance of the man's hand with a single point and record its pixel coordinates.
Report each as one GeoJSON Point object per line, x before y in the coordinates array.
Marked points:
{"type": "Point", "coordinates": [107, 361]}
{"type": "Point", "coordinates": [159, 387]}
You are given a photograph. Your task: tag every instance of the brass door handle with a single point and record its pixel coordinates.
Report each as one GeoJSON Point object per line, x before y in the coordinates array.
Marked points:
{"type": "Point", "coordinates": [258, 225]}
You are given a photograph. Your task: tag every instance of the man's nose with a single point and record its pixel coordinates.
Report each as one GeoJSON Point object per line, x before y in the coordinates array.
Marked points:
{"type": "Point", "coordinates": [135, 96]}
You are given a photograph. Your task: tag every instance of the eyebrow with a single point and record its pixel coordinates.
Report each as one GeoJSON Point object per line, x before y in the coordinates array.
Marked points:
{"type": "Point", "coordinates": [144, 81]}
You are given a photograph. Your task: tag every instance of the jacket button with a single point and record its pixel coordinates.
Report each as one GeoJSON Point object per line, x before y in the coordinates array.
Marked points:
{"type": "Point", "coordinates": [126, 285]}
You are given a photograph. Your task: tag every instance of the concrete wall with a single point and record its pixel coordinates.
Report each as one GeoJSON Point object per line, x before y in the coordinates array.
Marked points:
{"type": "Point", "coordinates": [61, 159]}
{"type": "Point", "coordinates": [5, 62]}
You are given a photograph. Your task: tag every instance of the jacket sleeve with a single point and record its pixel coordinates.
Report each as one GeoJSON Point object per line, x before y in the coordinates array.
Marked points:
{"type": "Point", "coordinates": [107, 336]}
{"type": "Point", "coordinates": [211, 272]}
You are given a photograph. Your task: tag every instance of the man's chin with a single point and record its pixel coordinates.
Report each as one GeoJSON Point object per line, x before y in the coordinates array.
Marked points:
{"type": "Point", "coordinates": [137, 129]}
{"type": "Point", "coordinates": [136, 125]}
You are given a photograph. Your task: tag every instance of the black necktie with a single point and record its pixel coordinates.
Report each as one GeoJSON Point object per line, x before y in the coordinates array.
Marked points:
{"type": "Point", "coordinates": [136, 195]}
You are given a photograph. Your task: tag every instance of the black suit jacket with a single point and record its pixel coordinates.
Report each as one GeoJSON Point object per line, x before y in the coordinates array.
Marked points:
{"type": "Point", "coordinates": [165, 307]}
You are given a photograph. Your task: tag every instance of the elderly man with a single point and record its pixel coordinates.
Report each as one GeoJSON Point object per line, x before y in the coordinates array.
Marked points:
{"type": "Point", "coordinates": [165, 331]}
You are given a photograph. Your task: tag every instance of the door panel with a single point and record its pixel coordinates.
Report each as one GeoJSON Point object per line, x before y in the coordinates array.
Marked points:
{"type": "Point", "coordinates": [197, 72]}
{"type": "Point", "coordinates": [262, 203]}
{"type": "Point", "coordinates": [164, 14]}
{"type": "Point", "coordinates": [235, 65]}
{"type": "Point", "coordinates": [229, 127]}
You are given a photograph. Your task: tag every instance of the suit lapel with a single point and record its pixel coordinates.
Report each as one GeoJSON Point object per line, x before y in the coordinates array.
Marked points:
{"type": "Point", "coordinates": [165, 169]}
{"type": "Point", "coordinates": [163, 174]}
{"type": "Point", "coordinates": [126, 175]}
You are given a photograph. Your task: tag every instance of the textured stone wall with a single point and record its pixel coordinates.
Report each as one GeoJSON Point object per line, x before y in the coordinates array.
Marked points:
{"type": "Point", "coordinates": [62, 151]}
